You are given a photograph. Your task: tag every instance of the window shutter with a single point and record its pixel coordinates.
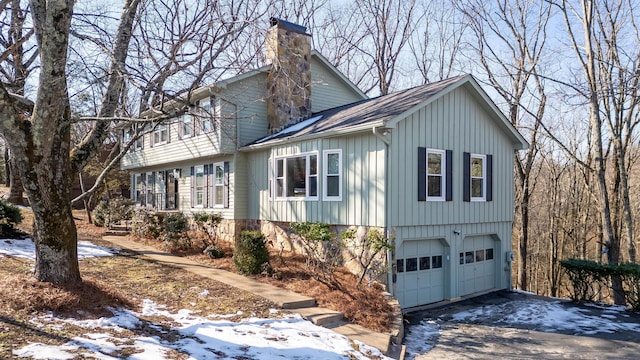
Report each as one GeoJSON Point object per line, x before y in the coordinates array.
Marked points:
{"type": "Point", "coordinates": [489, 169]}
{"type": "Point", "coordinates": [132, 188]}
{"type": "Point", "coordinates": [152, 190]}
{"type": "Point", "coordinates": [193, 187]}
{"type": "Point", "coordinates": [449, 175]}
{"type": "Point", "coordinates": [422, 174]}
{"type": "Point", "coordinates": [207, 184]}
{"type": "Point", "coordinates": [212, 185]}
{"type": "Point", "coordinates": [226, 185]}
{"type": "Point", "coordinates": [466, 176]}
{"type": "Point", "coordinates": [152, 135]}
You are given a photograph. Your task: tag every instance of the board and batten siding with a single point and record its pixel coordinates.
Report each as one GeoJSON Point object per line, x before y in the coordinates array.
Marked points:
{"type": "Point", "coordinates": [363, 183]}
{"type": "Point", "coordinates": [454, 122]}
{"type": "Point", "coordinates": [328, 90]}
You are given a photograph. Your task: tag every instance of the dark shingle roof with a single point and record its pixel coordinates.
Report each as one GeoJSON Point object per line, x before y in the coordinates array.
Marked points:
{"type": "Point", "coordinates": [380, 109]}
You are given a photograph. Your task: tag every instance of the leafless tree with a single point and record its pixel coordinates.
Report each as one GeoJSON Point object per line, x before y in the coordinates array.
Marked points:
{"type": "Point", "coordinates": [510, 39]}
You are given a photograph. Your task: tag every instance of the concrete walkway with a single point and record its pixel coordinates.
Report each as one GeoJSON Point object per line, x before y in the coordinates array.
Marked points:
{"type": "Point", "coordinates": [285, 299]}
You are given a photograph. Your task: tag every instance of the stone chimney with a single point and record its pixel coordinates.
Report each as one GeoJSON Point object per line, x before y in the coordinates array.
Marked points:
{"type": "Point", "coordinates": [288, 48]}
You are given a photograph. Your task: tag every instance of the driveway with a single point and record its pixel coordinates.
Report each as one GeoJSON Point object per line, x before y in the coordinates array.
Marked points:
{"type": "Point", "coordinates": [515, 325]}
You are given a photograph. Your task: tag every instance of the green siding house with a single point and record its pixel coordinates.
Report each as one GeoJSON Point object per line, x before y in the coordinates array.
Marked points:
{"type": "Point", "coordinates": [431, 166]}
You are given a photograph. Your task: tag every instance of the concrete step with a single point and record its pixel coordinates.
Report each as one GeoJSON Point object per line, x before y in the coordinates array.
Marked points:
{"type": "Point", "coordinates": [320, 316]}
{"type": "Point", "coordinates": [356, 332]}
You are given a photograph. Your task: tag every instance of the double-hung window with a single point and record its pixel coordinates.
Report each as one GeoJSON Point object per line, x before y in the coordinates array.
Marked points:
{"type": "Point", "coordinates": [435, 174]}
{"type": "Point", "coordinates": [332, 179]}
{"type": "Point", "coordinates": [478, 177]}
{"type": "Point", "coordinates": [296, 177]}
{"type": "Point", "coordinates": [206, 115]}
{"type": "Point", "coordinates": [198, 191]}
{"type": "Point", "coordinates": [186, 126]}
{"type": "Point", "coordinates": [219, 184]}
{"type": "Point", "coordinates": [160, 134]}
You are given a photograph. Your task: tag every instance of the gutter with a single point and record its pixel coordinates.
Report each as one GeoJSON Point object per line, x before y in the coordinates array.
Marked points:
{"type": "Point", "coordinates": [387, 230]}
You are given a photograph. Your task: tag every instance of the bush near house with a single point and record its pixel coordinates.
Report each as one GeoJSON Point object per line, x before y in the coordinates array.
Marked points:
{"type": "Point", "coordinates": [174, 231]}
{"type": "Point", "coordinates": [206, 225]}
{"type": "Point", "coordinates": [250, 255]}
{"type": "Point", "coordinates": [323, 250]}
{"type": "Point", "coordinates": [367, 251]}
{"type": "Point", "coordinates": [588, 278]}
{"type": "Point", "coordinates": [112, 211]}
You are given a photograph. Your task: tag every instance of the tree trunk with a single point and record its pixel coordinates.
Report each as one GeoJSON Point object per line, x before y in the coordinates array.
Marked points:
{"type": "Point", "coordinates": [15, 185]}
{"type": "Point", "coordinates": [55, 236]}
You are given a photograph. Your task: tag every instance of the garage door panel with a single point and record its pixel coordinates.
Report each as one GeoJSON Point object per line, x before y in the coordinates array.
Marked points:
{"type": "Point", "coordinates": [477, 265]}
{"type": "Point", "coordinates": [420, 274]}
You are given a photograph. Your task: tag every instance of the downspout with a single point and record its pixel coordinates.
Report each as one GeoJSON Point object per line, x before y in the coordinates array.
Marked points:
{"type": "Point", "coordinates": [387, 231]}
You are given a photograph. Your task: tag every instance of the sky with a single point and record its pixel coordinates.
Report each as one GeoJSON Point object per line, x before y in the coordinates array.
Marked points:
{"type": "Point", "coordinates": [201, 337]}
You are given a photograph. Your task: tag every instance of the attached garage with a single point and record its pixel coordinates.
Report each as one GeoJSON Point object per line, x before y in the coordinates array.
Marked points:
{"type": "Point", "coordinates": [420, 272]}
{"type": "Point", "coordinates": [477, 272]}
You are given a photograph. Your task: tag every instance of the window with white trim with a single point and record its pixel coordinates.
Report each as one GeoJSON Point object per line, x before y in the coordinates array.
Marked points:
{"type": "Point", "coordinates": [186, 126]}
{"type": "Point", "coordinates": [219, 184]}
{"type": "Point", "coordinates": [296, 177]}
{"type": "Point", "coordinates": [160, 134]}
{"type": "Point", "coordinates": [478, 177]}
{"type": "Point", "coordinates": [199, 186]}
{"type": "Point", "coordinates": [436, 175]}
{"type": "Point", "coordinates": [332, 175]}
{"type": "Point", "coordinates": [206, 115]}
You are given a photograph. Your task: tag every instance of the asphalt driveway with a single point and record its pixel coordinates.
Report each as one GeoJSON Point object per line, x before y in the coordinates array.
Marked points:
{"type": "Point", "coordinates": [513, 325]}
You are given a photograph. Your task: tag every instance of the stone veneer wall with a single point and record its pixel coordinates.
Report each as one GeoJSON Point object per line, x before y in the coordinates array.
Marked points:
{"type": "Point", "coordinates": [279, 235]}
{"type": "Point", "coordinates": [289, 80]}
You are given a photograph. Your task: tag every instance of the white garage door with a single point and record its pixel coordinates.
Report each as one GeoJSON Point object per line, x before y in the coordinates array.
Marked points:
{"type": "Point", "coordinates": [477, 265]}
{"type": "Point", "coordinates": [420, 274]}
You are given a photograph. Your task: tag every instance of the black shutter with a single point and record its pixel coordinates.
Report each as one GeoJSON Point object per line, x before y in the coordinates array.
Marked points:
{"type": "Point", "coordinates": [193, 187]}
{"type": "Point", "coordinates": [466, 177]}
{"type": "Point", "coordinates": [489, 169]}
{"type": "Point", "coordinates": [422, 174]}
{"type": "Point", "coordinates": [449, 175]}
{"type": "Point", "coordinates": [226, 185]}
{"type": "Point", "coordinates": [207, 185]}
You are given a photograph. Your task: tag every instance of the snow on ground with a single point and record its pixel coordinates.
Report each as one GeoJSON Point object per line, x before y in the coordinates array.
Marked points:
{"type": "Point", "coordinates": [545, 316]}
{"type": "Point", "coordinates": [289, 337]}
{"type": "Point", "coordinates": [26, 249]}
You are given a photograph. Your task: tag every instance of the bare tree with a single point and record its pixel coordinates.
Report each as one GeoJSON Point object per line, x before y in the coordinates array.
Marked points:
{"type": "Point", "coordinates": [510, 44]}
{"type": "Point", "coordinates": [17, 60]}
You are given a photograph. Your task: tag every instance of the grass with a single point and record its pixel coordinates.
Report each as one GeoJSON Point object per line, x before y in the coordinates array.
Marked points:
{"type": "Point", "coordinates": [124, 281]}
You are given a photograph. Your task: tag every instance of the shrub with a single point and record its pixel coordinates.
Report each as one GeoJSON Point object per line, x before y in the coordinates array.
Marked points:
{"type": "Point", "coordinates": [10, 216]}
{"type": "Point", "coordinates": [112, 211]}
{"type": "Point", "coordinates": [174, 231]}
{"type": "Point", "coordinates": [366, 253]}
{"type": "Point", "coordinates": [145, 224]}
{"type": "Point", "coordinates": [207, 224]}
{"type": "Point", "coordinates": [323, 250]}
{"type": "Point", "coordinates": [589, 277]}
{"type": "Point", "coordinates": [250, 252]}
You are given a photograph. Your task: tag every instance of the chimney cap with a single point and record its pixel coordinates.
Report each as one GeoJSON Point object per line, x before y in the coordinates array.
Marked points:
{"type": "Point", "coordinates": [289, 26]}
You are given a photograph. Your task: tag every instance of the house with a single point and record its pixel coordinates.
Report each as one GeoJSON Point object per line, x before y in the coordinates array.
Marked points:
{"type": "Point", "coordinates": [431, 166]}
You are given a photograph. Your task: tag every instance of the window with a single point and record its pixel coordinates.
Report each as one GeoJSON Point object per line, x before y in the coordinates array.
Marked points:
{"type": "Point", "coordinates": [140, 190]}
{"type": "Point", "coordinates": [206, 114]}
{"type": "Point", "coordinates": [199, 186]}
{"type": "Point", "coordinates": [478, 177]}
{"type": "Point", "coordinates": [297, 177]}
{"type": "Point", "coordinates": [435, 175]}
{"type": "Point", "coordinates": [469, 257]}
{"type": "Point", "coordinates": [435, 178]}
{"type": "Point", "coordinates": [436, 262]}
{"type": "Point", "coordinates": [219, 185]}
{"type": "Point", "coordinates": [186, 126]}
{"type": "Point", "coordinates": [332, 189]}
{"type": "Point", "coordinates": [425, 263]}
{"type": "Point", "coordinates": [160, 134]}
{"type": "Point", "coordinates": [400, 265]}
{"type": "Point", "coordinates": [151, 188]}
{"type": "Point", "coordinates": [412, 264]}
